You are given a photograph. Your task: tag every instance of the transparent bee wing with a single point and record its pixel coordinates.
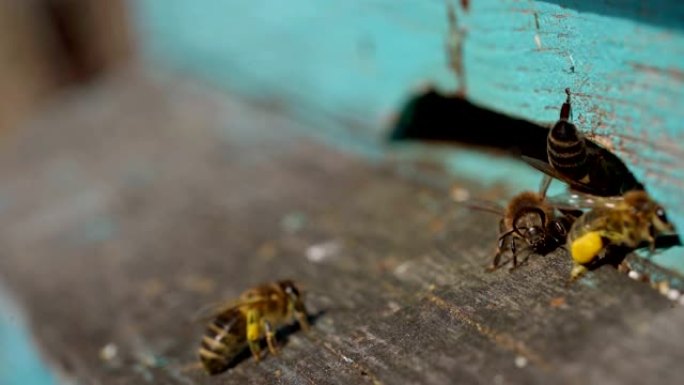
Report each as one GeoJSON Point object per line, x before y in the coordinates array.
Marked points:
{"type": "Point", "coordinates": [550, 171]}
{"type": "Point", "coordinates": [210, 311]}
{"type": "Point", "coordinates": [543, 166]}
{"type": "Point", "coordinates": [573, 200]}
{"type": "Point", "coordinates": [483, 205]}
{"type": "Point", "coordinates": [544, 185]}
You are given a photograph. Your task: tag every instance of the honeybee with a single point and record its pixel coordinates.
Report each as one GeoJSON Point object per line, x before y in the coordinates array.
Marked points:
{"type": "Point", "coordinates": [243, 323]}
{"type": "Point", "coordinates": [582, 164]}
{"type": "Point", "coordinates": [529, 223]}
{"type": "Point", "coordinates": [626, 222]}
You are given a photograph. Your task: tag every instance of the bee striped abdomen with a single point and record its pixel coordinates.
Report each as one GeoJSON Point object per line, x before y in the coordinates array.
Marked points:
{"type": "Point", "coordinates": [567, 150]}
{"type": "Point", "coordinates": [225, 338]}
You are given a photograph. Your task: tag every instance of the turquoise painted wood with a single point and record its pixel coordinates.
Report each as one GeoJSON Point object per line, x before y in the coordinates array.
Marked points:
{"type": "Point", "coordinates": [348, 65]}
{"type": "Point", "coordinates": [624, 62]}
{"type": "Point", "coordinates": [20, 362]}
{"type": "Point", "coordinates": [345, 64]}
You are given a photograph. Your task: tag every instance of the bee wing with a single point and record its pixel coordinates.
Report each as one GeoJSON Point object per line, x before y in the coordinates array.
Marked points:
{"type": "Point", "coordinates": [546, 168]}
{"type": "Point", "coordinates": [574, 200]}
{"type": "Point", "coordinates": [210, 311]}
{"type": "Point", "coordinates": [483, 205]}
{"type": "Point", "coordinates": [550, 171]}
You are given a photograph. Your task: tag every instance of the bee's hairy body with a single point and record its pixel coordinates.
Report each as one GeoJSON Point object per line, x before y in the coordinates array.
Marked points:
{"type": "Point", "coordinates": [567, 150]}
{"type": "Point", "coordinates": [224, 339]}
{"type": "Point", "coordinates": [529, 223]}
{"type": "Point", "coordinates": [524, 208]}
{"type": "Point", "coordinates": [628, 223]}
{"type": "Point", "coordinates": [617, 226]}
{"type": "Point", "coordinates": [581, 163]}
{"type": "Point", "coordinates": [258, 313]}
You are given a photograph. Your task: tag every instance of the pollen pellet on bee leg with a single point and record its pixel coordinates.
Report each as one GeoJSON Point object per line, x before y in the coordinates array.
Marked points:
{"type": "Point", "coordinates": [585, 248]}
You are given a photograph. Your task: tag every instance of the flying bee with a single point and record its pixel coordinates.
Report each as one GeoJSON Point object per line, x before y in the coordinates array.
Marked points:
{"type": "Point", "coordinates": [616, 222]}
{"type": "Point", "coordinates": [257, 313]}
{"type": "Point", "coordinates": [529, 223]}
{"type": "Point", "coordinates": [581, 163]}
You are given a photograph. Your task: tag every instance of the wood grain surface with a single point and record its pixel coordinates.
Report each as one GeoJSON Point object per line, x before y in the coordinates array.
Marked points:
{"type": "Point", "coordinates": [139, 201]}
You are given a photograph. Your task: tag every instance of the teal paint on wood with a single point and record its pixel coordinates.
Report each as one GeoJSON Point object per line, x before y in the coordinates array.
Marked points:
{"type": "Point", "coordinates": [354, 61]}
{"type": "Point", "coordinates": [349, 65]}
{"type": "Point", "coordinates": [20, 363]}
{"type": "Point", "coordinates": [628, 78]}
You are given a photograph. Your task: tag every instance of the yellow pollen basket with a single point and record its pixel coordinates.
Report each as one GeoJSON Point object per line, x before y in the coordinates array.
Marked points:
{"type": "Point", "coordinates": [585, 248]}
{"type": "Point", "coordinates": [253, 332]}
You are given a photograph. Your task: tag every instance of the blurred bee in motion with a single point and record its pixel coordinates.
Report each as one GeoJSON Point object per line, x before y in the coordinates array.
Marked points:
{"type": "Point", "coordinates": [582, 164]}
{"type": "Point", "coordinates": [529, 224]}
{"type": "Point", "coordinates": [619, 222]}
{"type": "Point", "coordinates": [257, 313]}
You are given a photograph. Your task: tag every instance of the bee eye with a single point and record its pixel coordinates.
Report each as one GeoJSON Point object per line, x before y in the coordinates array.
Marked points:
{"type": "Point", "coordinates": [660, 213]}
{"type": "Point", "coordinates": [291, 290]}
{"type": "Point", "coordinates": [560, 230]}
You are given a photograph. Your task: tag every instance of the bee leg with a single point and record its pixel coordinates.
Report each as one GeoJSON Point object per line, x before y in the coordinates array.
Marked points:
{"type": "Point", "coordinates": [626, 268]}
{"type": "Point", "coordinates": [298, 308]}
{"type": "Point", "coordinates": [503, 236]}
{"type": "Point", "coordinates": [254, 333]}
{"type": "Point", "coordinates": [651, 246]}
{"type": "Point", "coordinates": [303, 319]}
{"type": "Point", "coordinates": [495, 262]}
{"type": "Point", "coordinates": [497, 257]}
{"type": "Point", "coordinates": [515, 254]}
{"type": "Point", "coordinates": [517, 230]}
{"type": "Point", "coordinates": [504, 263]}
{"type": "Point", "coordinates": [270, 338]}
{"type": "Point", "coordinates": [577, 272]}
{"type": "Point", "coordinates": [522, 261]}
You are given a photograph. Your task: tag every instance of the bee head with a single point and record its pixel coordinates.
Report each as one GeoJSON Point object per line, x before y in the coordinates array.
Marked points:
{"type": "Point", "coordinates": [291, 289]}
{"type": "Point", "coordinates": [660, 221]}
{"type": "Point", "coordinates": [642, 204]}
{"type": "Point", "coordinates": [295, 302]}
{"type": "Point", "coordinates": [558, 229]}
{"type": "Point", "coordinates": [535, 237]}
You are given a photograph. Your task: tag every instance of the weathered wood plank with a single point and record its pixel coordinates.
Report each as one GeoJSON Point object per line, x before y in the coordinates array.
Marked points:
{"type": "Point", "coordinates": [133, 205]}
{"type": "Point", "coordinates": [347, 66]}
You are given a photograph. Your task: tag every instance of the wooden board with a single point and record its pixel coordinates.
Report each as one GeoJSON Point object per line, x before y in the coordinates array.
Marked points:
{"type": "Point", "coordinates": [347, 66]}
{"type": "Point", "coordinates": [135, 203]}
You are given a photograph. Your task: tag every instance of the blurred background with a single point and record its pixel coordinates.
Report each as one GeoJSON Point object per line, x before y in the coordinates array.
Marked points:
{"type": "Point", "coordinates": [107, 105]}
